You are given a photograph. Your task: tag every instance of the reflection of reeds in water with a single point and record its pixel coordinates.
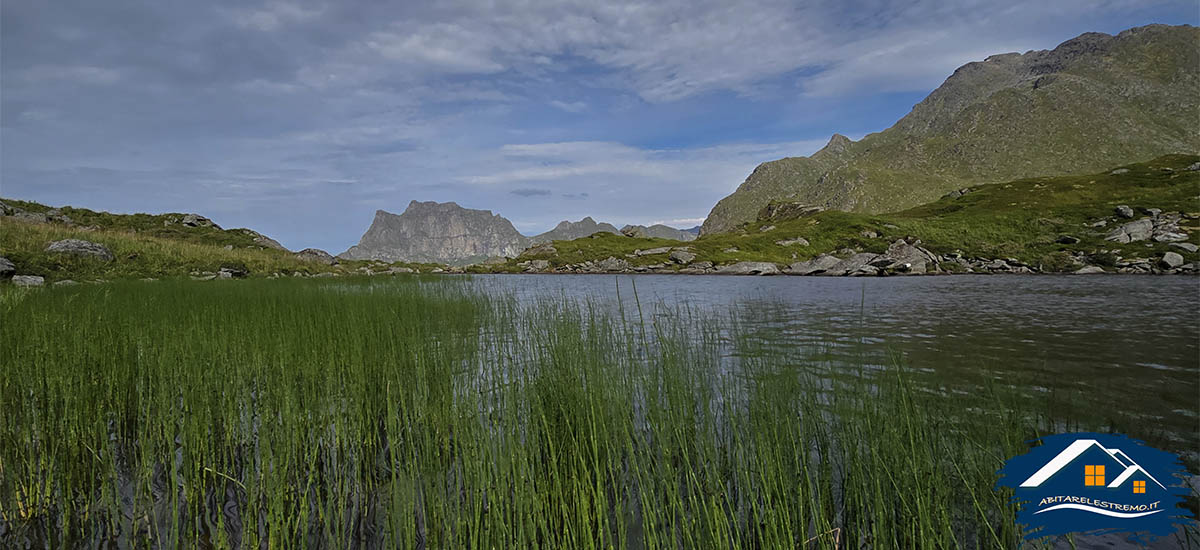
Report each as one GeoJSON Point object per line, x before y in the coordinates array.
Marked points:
{"type": "Point", "coordinates": [415, 413]}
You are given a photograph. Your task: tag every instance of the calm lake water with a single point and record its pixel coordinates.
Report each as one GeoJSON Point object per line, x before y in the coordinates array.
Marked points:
{"type": "Point", "coordinates": [1123, 351]}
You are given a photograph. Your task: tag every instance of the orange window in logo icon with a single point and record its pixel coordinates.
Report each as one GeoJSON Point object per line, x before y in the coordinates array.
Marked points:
{"type": "Point", "coordinates": [1139, 487]}
{"type": "Point", "coordinates": [1093, 476]}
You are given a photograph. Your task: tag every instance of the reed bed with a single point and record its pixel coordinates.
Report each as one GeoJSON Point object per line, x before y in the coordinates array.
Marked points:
{"type": "Point", "coordinates": [418, 413]}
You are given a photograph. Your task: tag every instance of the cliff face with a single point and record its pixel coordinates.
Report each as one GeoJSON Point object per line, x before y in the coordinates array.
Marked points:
{"type": "Point", "coordinates": [439, 233]}
{"type": "Point", "coordinates": [1094, 101]}
{"type": "Point", "coordinates": [568, 230]}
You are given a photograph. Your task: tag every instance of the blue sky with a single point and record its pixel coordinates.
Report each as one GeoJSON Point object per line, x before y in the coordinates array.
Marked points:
{"type": "Point", "coordinates": [299, 119]}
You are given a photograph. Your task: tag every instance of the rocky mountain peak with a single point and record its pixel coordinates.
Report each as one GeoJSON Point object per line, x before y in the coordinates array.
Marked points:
{"type": "Point", "coordinates": [437, 232]}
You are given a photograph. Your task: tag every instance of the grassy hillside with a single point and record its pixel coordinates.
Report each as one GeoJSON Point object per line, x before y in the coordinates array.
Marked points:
{"type": "Point", "coordinates": [149, 246]}
{"type": "Point", "coordinates": [1094, 101]}
{"type": "Point", "coordinates": [1022, 219]}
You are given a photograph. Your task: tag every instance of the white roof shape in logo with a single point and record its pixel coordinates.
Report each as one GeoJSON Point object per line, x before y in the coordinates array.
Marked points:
{"type": "Point", "coordinates": [1077, 448]}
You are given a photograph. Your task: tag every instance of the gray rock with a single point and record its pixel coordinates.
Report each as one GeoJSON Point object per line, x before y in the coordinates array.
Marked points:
{"type": "Point", "coordinates": [749, 268]}
{"type": "Point", "coordinates": [905, 258]}
{"type": "Point", "coordinates": [610, 264]}
{"type": "Point", "coordinates": [1124, 211]}
{"type": "Point", "coordinates": [28, 280]}
{"type": "Point", "coordinates": [703, 265]}
{"type": "Point", "coordinates": [868, 234]}
{"type": "Point", "coordinates": [1089, 270]}
{"type": "Point", "coordinates": [316, 255]}
{"type": "Point", "coordinates": [730, 250]}
{"type": "Point", "coordinates": [538, 265]}
{"type": "Point", "coordinates": [35, 217]}
{"type": "Point", "coordinates": [7, 269]}
{"type": "Point", "coordinates": [228, 247]}
{"type": "Point", "coordinates": [814, 266]}
{"type": "Point", "coordinates": [766, 228]}
{"type": "Point", "coordinates": [652, 251]}
{"type": "Point", "coordinates": [1171, 260]}
{"type": "Point", "coordinates": [1139, 230]}
{"type": "Point", "coordinates": [65, 282]}
{"type": "Point", "coordinates": [1152, 211]}
{"type": "Point", "coordinates": [798, 240]}
{"type": "Point", "coordinates": [1194, 166]}
{"type": "Point", "coordinates": [80, 248]}
{"type": "Point", "coordinates": [1186, 246]}
{"type": "Point", "coordinates": [851, 264]}
{"type": "Point", "coordinates": [1100, 223]}
{"type": "Point", "coordinates": [1119, 171]}
{"type": "Point", "coordinates": [682, 257]}
{"type": "Point", "coordinates": [327, 274]}
{"type": "Point", "coordinates": [232, 272]}
{"type": "Point", "coordinates": [196, 220]}
{"type": "Point", "coordinates": [865, 271]}
{"type": "Point", "coordinates": [394, 270]}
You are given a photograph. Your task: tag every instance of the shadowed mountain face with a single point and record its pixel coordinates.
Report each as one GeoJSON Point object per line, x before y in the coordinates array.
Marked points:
{"type": "Point", "coordinates": [658, 231]}
{"type": "Point", "coordinates": [1094, 101]}
{"type": "Point", "coordinates": [438, 233]}
{"type": "Point", "coordinates": [567, 230]}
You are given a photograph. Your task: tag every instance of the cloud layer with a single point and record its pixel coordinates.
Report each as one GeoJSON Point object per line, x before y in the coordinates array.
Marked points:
{"type": "Point", "coordinates": [301, 118]}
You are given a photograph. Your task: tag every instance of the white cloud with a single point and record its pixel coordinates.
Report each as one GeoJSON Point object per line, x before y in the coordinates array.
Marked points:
{"type": "Point", "coordinates": [570, 107]}
{"type": "Point", "coordinates": [273, 16]}
{"type": "Point", "coordinates": [74, 73]}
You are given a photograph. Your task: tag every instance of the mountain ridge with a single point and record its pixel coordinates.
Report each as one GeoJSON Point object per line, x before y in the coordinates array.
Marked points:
{"type": "Point", "coordinates": [1094, 101]}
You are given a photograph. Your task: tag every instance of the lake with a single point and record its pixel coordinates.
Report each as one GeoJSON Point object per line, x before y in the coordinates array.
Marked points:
{"type": "Point", "coordinates": [1120, 350]}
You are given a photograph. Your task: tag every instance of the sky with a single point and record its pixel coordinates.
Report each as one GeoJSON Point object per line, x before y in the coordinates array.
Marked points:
{"type": "Point", "coordinates": [299, 119]}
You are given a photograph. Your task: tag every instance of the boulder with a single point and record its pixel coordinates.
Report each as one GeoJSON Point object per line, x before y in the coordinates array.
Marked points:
{"type": "Point", "coordinates": [814, 266]}
{"type": "Point", "coordinates": [395, 270]}
{"type": "Point", "coordinates": [1123, 210]}
{"type": "Point", "coordinates": [766, 228]}
{"type": "Point", "coordinates": [1089, 270]}
{"type": "Point", "coordinates": [544, 249]}
{"type": "Point", "coordinates": [232, 272]}
{"type": "Point", "coordinates": [612, 264]}
{"type": "Point", "coordinates": [904, 257]}
{"type": "Point", "coordinates": [1186, 246]}
{"type": "Point", "coordinates": [28, 280]}
{"type": "Point", "coordinates": [66, 282]}
{"type": "Point", "coordinates": [316, 255]}
{"type": "Point", "coordinates": [1139, 230]}
{"type": "Point", "coordinates": [1194, 166]}
{"type": "Point", "coordinates": [79, 247]}
{"type": "Point", "coordinates": [703, 265]}
{"type": "Point", "coordinates": [749, 268]}
{"type": "Point", "coordinates": [652, 251]}
{"type": "Point", "coordinates": [1119, 171]}
{"type": "Point", "coordinates": [789, 242]}
{"type": "Point", "coordinates": [682, 257]}
{"type": "Point", "coordinates": [634, 232]}
{"type": "Point", "coordinates": [851, 264]}
{"type": "Point", "coordinates": [1171, 260]}
{"type": "Point", "coordinates": [538, 265]}
{"type": "Point", "coordinates": [35, 217]}
{"type": "Point", "coordinates": [196, 220]}
{"type": "Point", "coordinates": [869, 234]}
{"type": "Point", "coordinates": [7, 269]}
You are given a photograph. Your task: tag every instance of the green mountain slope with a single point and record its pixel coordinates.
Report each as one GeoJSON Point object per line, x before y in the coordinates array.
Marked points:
{"type": "Point", "coordinates": [1048, 224]}
{"type": "Point", "coordinates": [1094, 101]}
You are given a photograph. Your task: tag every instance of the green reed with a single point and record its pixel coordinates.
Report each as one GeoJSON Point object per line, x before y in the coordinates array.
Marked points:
{"type": "Point", "coordinates": [415, 412]}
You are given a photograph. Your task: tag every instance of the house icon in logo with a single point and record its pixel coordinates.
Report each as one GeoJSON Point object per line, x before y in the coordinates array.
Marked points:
{"type": "Point", "coordinates": [1098, 462]}
{"type": "Point", "coordinates": [1090, 482]}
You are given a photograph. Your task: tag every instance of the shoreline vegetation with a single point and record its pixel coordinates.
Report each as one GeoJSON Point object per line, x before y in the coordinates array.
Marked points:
{"type": "Point", "coordinates": [1141, 219]}
{"type": "Point", "coordinates": [415, 412]}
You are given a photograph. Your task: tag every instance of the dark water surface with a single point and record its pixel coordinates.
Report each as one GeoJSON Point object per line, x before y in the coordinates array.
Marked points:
{"type": "Point", "coordinates": [1124, 351]}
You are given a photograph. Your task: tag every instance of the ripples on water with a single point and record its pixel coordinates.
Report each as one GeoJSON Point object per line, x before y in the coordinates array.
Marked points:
{"type": "Point", "coordinates": [1129, 347]}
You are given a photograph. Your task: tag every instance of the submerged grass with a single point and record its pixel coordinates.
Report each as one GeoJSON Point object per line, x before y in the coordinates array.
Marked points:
{"type": "Point", "coordinates": [415, 412]}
